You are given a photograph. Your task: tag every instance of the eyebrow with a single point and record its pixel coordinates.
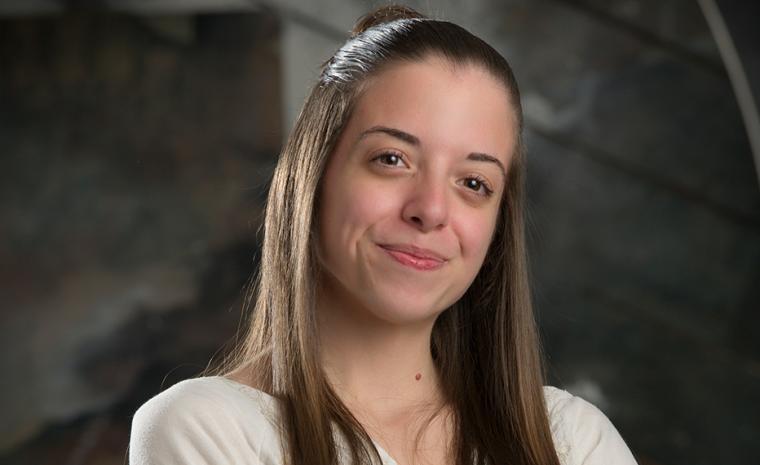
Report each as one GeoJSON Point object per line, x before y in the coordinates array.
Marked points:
{"type": "Point", "coordinates": [397, 133]}
{"type": "Point", "coordinates": [414, 140]}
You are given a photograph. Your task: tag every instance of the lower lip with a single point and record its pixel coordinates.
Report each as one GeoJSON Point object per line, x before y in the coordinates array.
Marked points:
{"type": "Point", "coordinates": [412, 261]}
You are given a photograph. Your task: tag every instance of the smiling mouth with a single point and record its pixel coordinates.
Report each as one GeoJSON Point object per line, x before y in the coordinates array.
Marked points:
{"type": "Point", "coordinates": [414, 258]}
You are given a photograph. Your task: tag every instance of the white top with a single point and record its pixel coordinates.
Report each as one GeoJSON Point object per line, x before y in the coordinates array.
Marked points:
{"type": "Point", "coordinates": [214, 420]}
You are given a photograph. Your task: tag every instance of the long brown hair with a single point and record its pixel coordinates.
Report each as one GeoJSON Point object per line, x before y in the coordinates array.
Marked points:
{"type": "Point", "coordinates": [485, 346]}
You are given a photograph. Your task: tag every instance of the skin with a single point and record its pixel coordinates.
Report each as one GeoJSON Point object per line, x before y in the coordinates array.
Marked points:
{"type": "Point", "coordinates": [380, 191]}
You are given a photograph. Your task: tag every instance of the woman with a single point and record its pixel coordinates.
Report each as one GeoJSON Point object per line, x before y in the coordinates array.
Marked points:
{"type": "Point", "coordinates": [391, 321]}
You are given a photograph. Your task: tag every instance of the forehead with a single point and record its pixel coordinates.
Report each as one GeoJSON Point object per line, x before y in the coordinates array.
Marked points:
{"type": "Point", "coordinates": [447, 107]}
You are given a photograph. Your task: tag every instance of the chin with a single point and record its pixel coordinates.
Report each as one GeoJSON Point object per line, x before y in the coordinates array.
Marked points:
{"type": "Point", "coordinates": [407, 311]}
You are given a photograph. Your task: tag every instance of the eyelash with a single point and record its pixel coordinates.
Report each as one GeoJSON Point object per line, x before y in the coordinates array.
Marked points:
{"type": "Point", "coordinates": [487, 191]}
{"type": "Point", "coordinates": [483, 183]}
{"type": "Point", "coordinates": [388, 154]}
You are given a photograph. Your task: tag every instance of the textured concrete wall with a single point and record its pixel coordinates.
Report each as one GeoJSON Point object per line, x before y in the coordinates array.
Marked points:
{"type": "Point", "coordinates": [136, 154]}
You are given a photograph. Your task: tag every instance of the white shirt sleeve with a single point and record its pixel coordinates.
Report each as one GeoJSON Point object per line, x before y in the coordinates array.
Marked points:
{"type": "Point", "coordinates": [189, 425]}
{"type": "Point", "coordinates": [583, 434]}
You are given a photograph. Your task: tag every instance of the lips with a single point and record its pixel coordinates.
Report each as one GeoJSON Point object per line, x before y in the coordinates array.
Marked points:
{"type": "Point", "coordinates": [414, 257]}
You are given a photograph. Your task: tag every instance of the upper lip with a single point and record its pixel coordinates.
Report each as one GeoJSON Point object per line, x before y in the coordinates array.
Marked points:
{"type": "Point", "coordinates": [418, 252]}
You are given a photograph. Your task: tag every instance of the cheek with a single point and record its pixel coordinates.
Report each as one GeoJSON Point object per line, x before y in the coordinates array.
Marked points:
{"type": "Point", "coordinates": [475, 236]}
{"type": "Point", "coordinates": [351, 207]}
{"type": "Point", "coordinates": [369, 202]}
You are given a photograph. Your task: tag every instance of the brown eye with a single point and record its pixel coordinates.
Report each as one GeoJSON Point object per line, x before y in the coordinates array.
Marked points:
{"type": "Point", "coordinates": [473, 184]}
{"type": "Point", "coordinates": [478, 185]}
{"type": "Point", "coordinates": [389, 159]}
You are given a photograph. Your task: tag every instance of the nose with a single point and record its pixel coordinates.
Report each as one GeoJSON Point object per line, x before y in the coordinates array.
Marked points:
{"type": "Point", "coordinates": [427, 207]}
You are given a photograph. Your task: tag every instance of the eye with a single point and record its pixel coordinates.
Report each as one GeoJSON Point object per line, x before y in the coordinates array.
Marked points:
{"type": "Point", "coordinates": [478, 185]}
{"type": "Point", "coordinates": [389, 159]}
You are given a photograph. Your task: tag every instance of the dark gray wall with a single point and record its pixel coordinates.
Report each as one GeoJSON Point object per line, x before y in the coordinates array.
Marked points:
{"type": "Point", "coordinates": [136, 152]}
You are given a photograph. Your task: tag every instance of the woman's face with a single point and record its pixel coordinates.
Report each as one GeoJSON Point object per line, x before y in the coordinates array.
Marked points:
{"type": "Point", "coordinates": [410, 195]}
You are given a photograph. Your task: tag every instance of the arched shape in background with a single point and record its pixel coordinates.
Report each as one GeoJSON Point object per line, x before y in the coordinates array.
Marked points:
{"type": "Point", "coordinates": [734, 26]}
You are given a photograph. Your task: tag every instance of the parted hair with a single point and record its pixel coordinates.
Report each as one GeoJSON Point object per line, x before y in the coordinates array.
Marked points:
{"type": "Point", "coordinates": [485, 346]}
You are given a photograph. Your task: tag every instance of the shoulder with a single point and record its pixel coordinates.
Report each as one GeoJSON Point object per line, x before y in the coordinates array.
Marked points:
{"type": "Point", "coordinates": [582, 434]}
{"type": "Point", "coordinates": [203, 420]}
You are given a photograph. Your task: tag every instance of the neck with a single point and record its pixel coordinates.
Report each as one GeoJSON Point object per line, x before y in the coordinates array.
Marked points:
{"type": "Point", "coordinates": [377, 367]}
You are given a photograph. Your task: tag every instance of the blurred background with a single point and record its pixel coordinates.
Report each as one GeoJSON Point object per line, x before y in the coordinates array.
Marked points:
{"type": "Point", "coordinates": [137, 139]}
